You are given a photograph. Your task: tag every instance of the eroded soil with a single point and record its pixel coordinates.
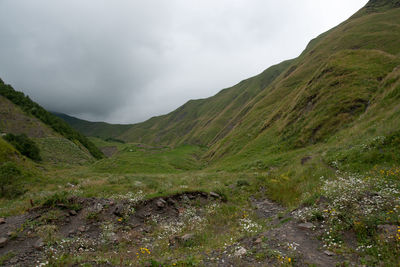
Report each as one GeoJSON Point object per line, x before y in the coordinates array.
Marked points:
{"type": "Point", "coordinates": [100, 226]}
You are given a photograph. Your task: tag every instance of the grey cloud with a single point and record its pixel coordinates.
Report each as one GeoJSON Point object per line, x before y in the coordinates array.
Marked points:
{"type": "Point", "coordinates": [125, 61]}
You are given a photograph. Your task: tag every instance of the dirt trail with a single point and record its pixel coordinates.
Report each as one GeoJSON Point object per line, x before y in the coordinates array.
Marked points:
{"type": "Point", "coordinates": [300, 239]}
{"type": "Point", "coordinates": [115, 221]}
{"type": "Point", "coordinates": [26, 245]}
{"type": "Point", "coordinates": [284, 240]}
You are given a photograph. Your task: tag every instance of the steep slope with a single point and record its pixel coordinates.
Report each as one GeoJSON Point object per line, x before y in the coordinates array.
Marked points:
{"type": "Point", "coordinates": [336, 84]}
{"type": "Point", "coordinates": [14, 120]}
{"type": "Point", "coordinates": [20, 115]}
{"type": "Point", "coordinates": [95, 129]}
{"type": "Point", "coordinates": [204, 121]}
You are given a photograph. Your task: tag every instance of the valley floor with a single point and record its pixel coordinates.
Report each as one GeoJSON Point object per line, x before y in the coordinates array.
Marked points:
{"type": "Point", "coordinates": [148, 206]}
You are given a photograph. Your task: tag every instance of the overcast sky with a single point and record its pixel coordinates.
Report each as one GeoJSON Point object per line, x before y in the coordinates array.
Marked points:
{"type": "Point", "coordinates": [124, 61]}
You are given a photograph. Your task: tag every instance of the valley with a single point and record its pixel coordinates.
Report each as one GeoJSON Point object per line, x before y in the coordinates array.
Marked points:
{"type": "Point", "coordinates": [296, 166]}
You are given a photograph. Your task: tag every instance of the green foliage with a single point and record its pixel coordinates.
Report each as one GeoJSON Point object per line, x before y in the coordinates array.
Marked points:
{"type": "Point", "coordinates": [24, 145]}
{"type": "Point", "coordinates": [54, 122]}
{"type": "Point", "coordinates": [10, 175]}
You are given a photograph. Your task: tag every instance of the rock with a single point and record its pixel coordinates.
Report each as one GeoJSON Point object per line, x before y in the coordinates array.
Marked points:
{"type": "Point", "coordinates": [119, 210]}
{"type": "Point", "coordinates": [191, 196]}
{"type": "Point", "coordinates": [71, 232]}
{"type": "Point", "coordinates": [186, 237]}
{"type": "Point", "coordinates": [3, 241]}
{"type": "Point", "coordinates": [171, 201]}
{"type": "Point", "coordinates": [258, 241]}
{"type": "Point", "coordinates": [215, 195]}
{"type": "Point", "coordinates": [39, 244]}
{"type": "Point", "coordinates": [161, 203]}
{"type": "Point", "coordinates": [73, 213]}
{"type": "Point", "coordinates": [241, 251]}
{"type": "Point", "coordinates": [10, 233]}
{"type": "Point", "coordinates": [329, 253]}
{"type": "Point", "coordinates": [306, 226]}
{"type": "Point", "coordinates": [2, 220]}
{"type": "Point", "coordinates": [82, 229]}
{"type": "Point", "coordinates": [387, 230]}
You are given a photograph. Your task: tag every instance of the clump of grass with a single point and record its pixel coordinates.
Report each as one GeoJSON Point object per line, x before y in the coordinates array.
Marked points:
{"type": "Point", "coordinates": [61, 199]}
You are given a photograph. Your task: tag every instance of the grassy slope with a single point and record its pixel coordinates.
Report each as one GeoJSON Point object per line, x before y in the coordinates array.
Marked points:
{"type": "Point", "coordinates": [95, 129]}
{"type": "Point", "coordinates": [32, 109]}
{"type": "Point", "coordinates": [337, 83]}
{"type": "Point", "coordinates": [53, 146]}
{"type": "Point", "coordinates": [269, 152]}
{"type": "Point", "coordinates": [14, 120]}
{"type": "Point", "coordinates": [206, 120]}
{"type": "Point", "coordinates": [345, 81]}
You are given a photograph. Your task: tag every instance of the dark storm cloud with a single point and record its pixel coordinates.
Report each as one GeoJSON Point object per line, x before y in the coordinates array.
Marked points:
{"type": "Point", "coordinates": [124, 61]}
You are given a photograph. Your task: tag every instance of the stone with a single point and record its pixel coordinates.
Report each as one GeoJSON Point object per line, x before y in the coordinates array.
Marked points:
{"type": "Point", "coordinates": [2, 220]}
{"type": "Point", "coordinates": [387, 230]}
{"type": "Point", "coordinates": [241, 251]}
{"type": "Point", "coordinates": [73, 213]}
{"type": "Point", "coordinates": [161, 203]}
{"type": "Point", "coordinates": [82, 229]}
{"type": "Point", "coordinates": [39, 244]}
{"type": "Point", "coordinates": [3, 241]}
{"type": "Point", "coordinates": [258, 241]}
{"type": "Point", "coordinates": [10, 233]}
{"type": "Point", "coordinates": [186, 237]}
{"type": "Point", "coordinates": [119, 210]}
{"type": "Point", "coordinates": [329, 253]}
{"type": "Point", "coordinates": [171, 201]}
{"type": "Point", "coordinates": [71, 232]}
{"type": "Point", "coordinates": [215, 195]}
{"type": "Point", "coordinates": [306, 226]}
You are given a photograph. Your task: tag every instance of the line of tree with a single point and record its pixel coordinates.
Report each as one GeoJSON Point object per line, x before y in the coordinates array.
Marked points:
{"type": "Point", "coordinates": [57, 124]}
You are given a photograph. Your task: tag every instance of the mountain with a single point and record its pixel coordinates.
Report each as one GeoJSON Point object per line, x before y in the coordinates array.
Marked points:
{"type": "Point", "coordinates": [96, 129]}
{"type": "Point", "coordinates": [57, 140]}
{"type": "Point", "coordinates": [347, 77]}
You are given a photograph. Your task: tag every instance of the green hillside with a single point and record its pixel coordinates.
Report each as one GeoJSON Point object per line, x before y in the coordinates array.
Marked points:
{"type": "Point", "coordinates": [95, 129]}
{"type": "Point", "coordinates": [297, 166]}
{"type": "Point", "coordinates": [337, 83]}
{"type": "Point", "coordinates": [19, 114]}
{"type": "Point", "coordinates": [205, 121]}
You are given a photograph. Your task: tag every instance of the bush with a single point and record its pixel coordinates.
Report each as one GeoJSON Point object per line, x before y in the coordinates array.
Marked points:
{"type": "Point", "coordinates": [24, 145]}
{"type": "Point", "coordinates": [10, 174]}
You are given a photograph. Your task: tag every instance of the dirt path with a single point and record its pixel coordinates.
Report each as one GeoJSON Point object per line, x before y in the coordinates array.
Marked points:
{"type": "Point", "coordinates": [96, 221]}
{"type": "Point", "coordinates": [287, 243]}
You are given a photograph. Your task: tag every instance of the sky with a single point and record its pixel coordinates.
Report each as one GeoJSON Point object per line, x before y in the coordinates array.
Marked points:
{"type": "Point", "coordinates": [124, 61]}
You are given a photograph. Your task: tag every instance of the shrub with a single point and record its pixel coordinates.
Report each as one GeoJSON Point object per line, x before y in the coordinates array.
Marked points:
{"type": "Point", "coordinates": [24, 145]}
{"type": "Point", "coordinates": [9, 176]}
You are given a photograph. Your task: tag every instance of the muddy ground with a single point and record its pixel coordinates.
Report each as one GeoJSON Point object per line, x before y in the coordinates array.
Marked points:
{"type": "Point", "coordinates": [87, 224]}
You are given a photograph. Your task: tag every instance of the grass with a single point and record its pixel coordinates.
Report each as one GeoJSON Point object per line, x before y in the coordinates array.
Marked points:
{"type": "Point", "coordinates": [62, 151]}
{"type": "Point", "coordinates": [135, 158]}
{"type": "Point", "coordinates": [322, 128]}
